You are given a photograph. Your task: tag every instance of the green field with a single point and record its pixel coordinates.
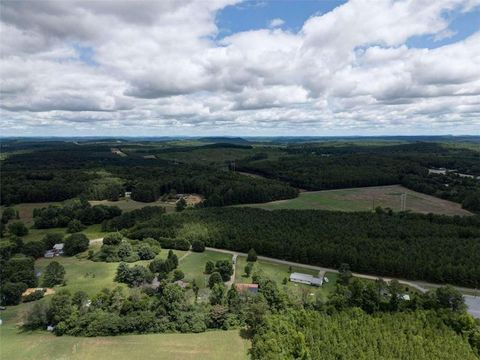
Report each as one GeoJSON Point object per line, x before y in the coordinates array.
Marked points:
{"type": "Point", "coordinates": [365, 199]}
{"type": "Point", "coordinates": [128, 204]}
{"type": "Point", "coordinates": [92, 232]}
{"type": "Point", "coordinates": [41, 345]}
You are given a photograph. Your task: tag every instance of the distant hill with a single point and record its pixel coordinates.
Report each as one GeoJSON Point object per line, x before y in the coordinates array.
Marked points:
{"type": "Point", "coordinates": [224, 140]}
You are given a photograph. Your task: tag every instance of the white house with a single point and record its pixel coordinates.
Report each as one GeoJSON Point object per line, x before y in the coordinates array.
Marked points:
{"type": "Point", "coordinates": [306, 279]}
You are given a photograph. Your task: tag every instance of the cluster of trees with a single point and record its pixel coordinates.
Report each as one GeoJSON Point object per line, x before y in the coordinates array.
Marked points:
{"type": "Point", "coordinates": [115, 248]}
{"type": "Point", "coordinates": [146, 310]}
{"type": "Point", "coordinates": [74, 214]}
{"type": "Point", "coordinates": [162, 267]}
{"type": "Point", "coordinates": [220, 271]}
{"type": "Point", "coordinates": [428, 247]}
{"type": "Point", "coordinates": [16, 275]}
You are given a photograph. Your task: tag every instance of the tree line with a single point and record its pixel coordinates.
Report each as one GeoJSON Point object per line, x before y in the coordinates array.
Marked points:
{"type": "Point", "coordinates": [425, 247]}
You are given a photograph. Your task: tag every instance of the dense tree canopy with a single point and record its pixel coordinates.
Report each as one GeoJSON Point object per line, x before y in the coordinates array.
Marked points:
{"type": "Point", "coordinates": [428, 247]}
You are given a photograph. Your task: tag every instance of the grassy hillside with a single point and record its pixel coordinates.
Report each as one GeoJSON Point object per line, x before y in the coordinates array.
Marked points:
{"type": "Point", "coordinates": [364, 199]}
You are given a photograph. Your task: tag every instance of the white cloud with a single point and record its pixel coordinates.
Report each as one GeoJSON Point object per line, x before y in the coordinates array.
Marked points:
{"type": "Point", "coordinates": [277, 22]}
{"type": "Point", "coordinates": [129, 67]}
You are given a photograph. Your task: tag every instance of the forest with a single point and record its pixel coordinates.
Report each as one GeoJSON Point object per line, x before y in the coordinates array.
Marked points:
{"type": "Point", "coordinates": [353, 335]}
{"type": "Point", "coordinates": [428, 247]}
{"type": "Point", "coordinates": [61, 172]}
{"type": "Point", "coordinates": [57, 171]}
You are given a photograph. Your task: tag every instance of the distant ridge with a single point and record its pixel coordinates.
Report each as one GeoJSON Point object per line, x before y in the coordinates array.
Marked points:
{"type": "Point", "coordinates": [224, 140]}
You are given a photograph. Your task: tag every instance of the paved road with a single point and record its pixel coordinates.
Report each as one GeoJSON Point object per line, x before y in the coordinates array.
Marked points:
{"type": "Point", "coordinates": [473, 302]}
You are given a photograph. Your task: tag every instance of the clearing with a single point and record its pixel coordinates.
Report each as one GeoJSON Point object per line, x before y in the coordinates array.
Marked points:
{"type": "Point", "coordinates": [366, 199]}
{"type": "Point", "coordinates": [278, 272]}
{"type": "Point", "coordinates": [127, 205]}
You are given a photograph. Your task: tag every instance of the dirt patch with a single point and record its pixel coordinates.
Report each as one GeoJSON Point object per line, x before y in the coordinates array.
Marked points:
{"type": "Point", "coordinates": [48, 291]}
{"type": "Point", "coordinates": [193, 199]}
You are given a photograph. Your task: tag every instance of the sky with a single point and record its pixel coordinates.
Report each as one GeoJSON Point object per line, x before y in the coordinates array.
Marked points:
{"type": "Point", "coordinates": [239, 68]}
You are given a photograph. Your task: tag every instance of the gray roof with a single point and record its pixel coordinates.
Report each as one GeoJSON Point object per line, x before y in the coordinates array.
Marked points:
{"type": "Point", "coordinates": [306, 278]}
{"type": "Point", "coordinates": [58, 246]}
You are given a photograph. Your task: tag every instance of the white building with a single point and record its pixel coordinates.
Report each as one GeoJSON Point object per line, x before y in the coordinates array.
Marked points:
{"type": "Point", "coordinates": [306, 279]}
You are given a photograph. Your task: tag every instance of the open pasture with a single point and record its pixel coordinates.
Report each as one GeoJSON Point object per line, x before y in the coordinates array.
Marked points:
{"type": "Point", "coordinates": [366, 199]}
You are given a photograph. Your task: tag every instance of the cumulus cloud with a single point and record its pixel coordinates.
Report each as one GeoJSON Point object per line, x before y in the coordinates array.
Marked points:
{"type": "Point", "coordinates": [128, 67]}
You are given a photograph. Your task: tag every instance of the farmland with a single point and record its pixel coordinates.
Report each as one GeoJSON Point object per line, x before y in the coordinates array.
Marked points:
{"type": "Point", "coordinates": [40, 345]}
{"type": "Point", "coordinates": [366, 199]}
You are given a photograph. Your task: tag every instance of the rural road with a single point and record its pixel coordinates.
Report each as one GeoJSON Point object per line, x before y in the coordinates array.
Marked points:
{"type": "Point", "coordinates": [472, 301]}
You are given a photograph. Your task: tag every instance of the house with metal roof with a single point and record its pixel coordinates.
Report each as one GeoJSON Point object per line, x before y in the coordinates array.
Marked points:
{"type": "Point", "coordinates": [306, 279]}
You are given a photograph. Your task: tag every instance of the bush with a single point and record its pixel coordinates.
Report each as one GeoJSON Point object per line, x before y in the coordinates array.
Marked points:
{"type": "Point", "coordinates": [215, 278]}
{"type": "Point", "coordinates": [51, 239]}
{"type": "Point", "coordinates": [145, 252]}
{"type": "Point", "coordinates": [75, 243]}
{"type": "Point", "coordinates": [18, 228]}
{"type": "Point", "coordinates": [11, 293]}
{"type": "Point", "coordinates": [252, 255]}
{"type": "Point", "coordinates": [182, 244]}
{"type": "Point", "coordinates": [54, 274]}
{"type": "Point", "coordinates": [75, 226]}
{"type": "Point", "coordinates": [209, 266]}
{"type": "Point", "coordinates": [34, 249]}
{"type": "Point", "coordinates": [198, 246]}
{"type": "Point", "coordinates": [178, 275]}
{"type": "Point", "coordinates": [112, 239]}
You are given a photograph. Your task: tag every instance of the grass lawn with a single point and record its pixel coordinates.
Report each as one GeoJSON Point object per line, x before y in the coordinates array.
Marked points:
{"type": "Point", "coordinates": [92, 232]}
{"type": "Point", "coordinates": [40, 345]}
{"type": "Point", "coordinates": [82, 274]}
{"type": "Point", "coordinates": [278, 272]}
{"type": "Point", "coordinates": [193, 265]}
{"type": "Point", "coordinates": [364, 199]}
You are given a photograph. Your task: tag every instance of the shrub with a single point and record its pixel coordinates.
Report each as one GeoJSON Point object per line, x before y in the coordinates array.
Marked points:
{"type": "Point", "coordinates": [112, 239]}
{"type": "Point", "coordinates": [209, 266]}
{"type": "Point", "coordinates": [34, 249]}
{"type": "Point", "coordinates": [75, 226]}
{"type": "Point", "coordinates": [198, 246]}
{"type": "Point", "coordinates": [54, 274]}
{"type": "Point", "coordinates": [18, 228]}
{"type": "Point", "coordinates": [178, 275]}
{"type": "Point", "coordinates": [75, 243]}
{"type": "Point", "coordinates": [51, 239]}
{"type": "Point", "coordinates": [11, 293]}
{"type": "Point", "coordinates": [215, 278]}
{"type": "Point", "coordinates": [252, 255]}
{"type": "Point", "coordinates": [145, 252]}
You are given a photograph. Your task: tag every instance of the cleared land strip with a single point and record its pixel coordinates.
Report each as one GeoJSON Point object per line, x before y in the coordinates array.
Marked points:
{"type": "Point", "coordinates": [422, 286]}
